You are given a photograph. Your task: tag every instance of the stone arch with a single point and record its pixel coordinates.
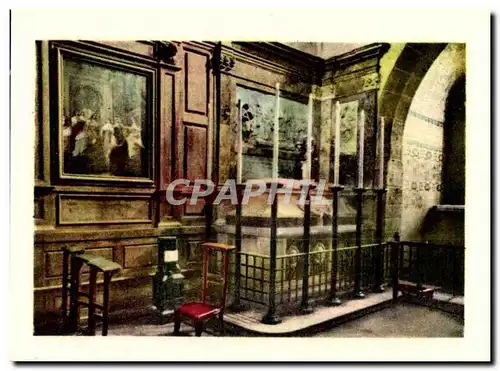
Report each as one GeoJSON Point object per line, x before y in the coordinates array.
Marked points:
{"type": "Point", "coordinates": [395, 99]}
{"type": "Point", "coordinates": [424, 138]}
{"type": "Point", "coordinates": [454, 145]}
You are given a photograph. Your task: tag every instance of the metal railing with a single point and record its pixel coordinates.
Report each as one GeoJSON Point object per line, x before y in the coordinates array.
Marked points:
{"type": "Point", "coordinates": [255, 272]}
{"type": "Point", "coordinates": [280, 280]}
{"type": "Point", "coordinates": [437, 265]}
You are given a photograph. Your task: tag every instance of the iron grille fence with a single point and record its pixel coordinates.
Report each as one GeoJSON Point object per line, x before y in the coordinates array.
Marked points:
{"type": "Point", "coordinates": [439, 265]}
{"type": "Point", "coordinates": [255, 272]}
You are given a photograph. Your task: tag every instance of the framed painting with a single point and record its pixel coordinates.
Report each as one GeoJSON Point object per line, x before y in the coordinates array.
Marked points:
{"type": "Point", "coordinates": [105, 117]}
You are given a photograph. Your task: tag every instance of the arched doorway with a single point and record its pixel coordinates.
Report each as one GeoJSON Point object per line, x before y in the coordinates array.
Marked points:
{"type": "Point", "coordinates": [412, 99]}
{"type": "Point", "coordinates": [454, 145]}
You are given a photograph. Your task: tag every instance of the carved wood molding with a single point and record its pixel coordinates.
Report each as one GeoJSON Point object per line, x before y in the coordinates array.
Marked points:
{"type": "Point", "coordinates": [300, 66]}
{"type": "Point", "coordinates": [277, 58]}
{"type": "Point", "coordinates": [221, 62]}
{"type": "Point", "coordinates": [375, 50]}
{"type": "Point", "coordinates": [43, 190]}
{"type": "Point", "coordinates": [165, 51]}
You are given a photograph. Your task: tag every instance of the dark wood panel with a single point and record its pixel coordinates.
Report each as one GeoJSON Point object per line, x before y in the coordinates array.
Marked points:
{"type": "Point", "coordinates": [103, 209]}
{"type": "Point", "coordinates": [196, 76]}
{"type": "Point", "coordinates": [167, 118]}
{"type": "Point", "coordinates": [38, 208]}
{"type": "Point", "coordinates": [140, 256]}
{"type": "Point", "coordinates": [195, 159]}
{"type": "Point", "coordinates": [195, 147]}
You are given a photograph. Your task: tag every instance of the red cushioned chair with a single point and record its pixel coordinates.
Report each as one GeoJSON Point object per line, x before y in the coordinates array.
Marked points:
{"type": "Point", "coordinates": [198, 312]}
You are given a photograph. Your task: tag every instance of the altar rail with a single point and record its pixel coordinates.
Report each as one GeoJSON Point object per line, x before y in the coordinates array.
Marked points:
{"type": "Point", "coordinates": [440, 265]}
{"type": "Point", "coordinates": [255, 273]}
{"type": "Point", "coordinates": [422, 263]}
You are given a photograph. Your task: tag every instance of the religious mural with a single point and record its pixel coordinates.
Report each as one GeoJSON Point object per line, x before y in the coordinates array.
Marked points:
{"type": "Point", "coordinates": [258, 110]}
{"type": "Point", "coordinates": [104, 119]}
{"type": "Point", "coordinates": [258, 113]}
{"type": "Point", "coordinates": [350, 116]}
{"type": "Point", "coordinates": [348, 127]}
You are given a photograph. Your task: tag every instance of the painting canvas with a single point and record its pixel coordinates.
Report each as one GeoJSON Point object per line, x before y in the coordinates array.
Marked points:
{"type": "Point", "coordinates": [258, 111]}
{"type": "Point", "coordinates": [104, 120]}
{"type": "Point", "coordinates": [348, 127]}
{"type": "Point", "coordinates": [258, 115]}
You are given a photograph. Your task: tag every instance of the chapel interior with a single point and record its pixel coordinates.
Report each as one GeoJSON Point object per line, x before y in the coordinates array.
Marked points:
{"type": "Point", "coordinates": [116, 122]}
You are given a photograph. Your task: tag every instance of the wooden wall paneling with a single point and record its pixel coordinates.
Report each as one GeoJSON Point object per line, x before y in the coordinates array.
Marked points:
{"type": "Point", "coordinates": [44, 124]}
{"type": "Point", "coordinates": [53, 260]}
{"type": "Point", "coordinates": [92, 209]}
{"type": "Point", "coordinates": [169, 116]}
{"type": "Point", "coordinates": [197, 119]}
{"type": "Point", "coordinates": [44, 205]}
{"type": "Point", "coordinates": [38, 114]}
{"type": "Point", "coordinates": [140, 256]}
{"type": "Point", "coordinates": [39, 265]}
{"type": "Point", "coordinates": [167, 112]}
{"type": "Point", "coordinates": [119, 255]}
{"type": "Point", "coordinates": [39, 212]}
{"type": "Point", "coordinates": [129, 253]}
{"type": "Point", "coordinates": [210, 124]}
{"type": "Point", "coordinates": [195, 144]}
{"type": "Point", "coordinates": [178, 131]}
{"type": "Point", "coordinates": [196, 83]}
{"type": "Point", "coordinates": [42, 202]}
{"type": "Point", "coordinates": [146, 49]}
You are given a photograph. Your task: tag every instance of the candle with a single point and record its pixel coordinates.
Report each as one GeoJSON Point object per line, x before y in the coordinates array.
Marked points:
{"type": "Point", "coordinates": [276, 136]}
{"type": "Point", "coordinates": [336, 168]}
{"type": "Point", "coordinates": [239, 148]}
{"type": "Point", "coordinates": [381, 154]}
{"type": "Point", "coordinates": [361, 153]}
{"type": "Point", "coordinates": [309, 138]}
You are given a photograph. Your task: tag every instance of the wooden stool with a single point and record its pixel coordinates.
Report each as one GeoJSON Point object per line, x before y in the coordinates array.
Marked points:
{"type": "Point", "coordinates": [67, 253]}
{"type": "Point", "coordinates": [73, 261]}
{"type": "Point", "coordinates": [201, 312]}
{"type": "Point", "coordinates": [71, 281]}
{"type": "Point", "coordinates": [107, 267]}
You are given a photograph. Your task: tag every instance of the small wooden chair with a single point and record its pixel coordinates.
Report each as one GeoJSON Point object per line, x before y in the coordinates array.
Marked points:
{"type": "Point", "coordinates": [198, 312]}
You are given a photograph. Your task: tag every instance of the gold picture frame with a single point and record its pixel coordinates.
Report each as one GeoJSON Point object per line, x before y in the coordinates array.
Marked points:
{"type": "Point", "coordinates": [104, 117]}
